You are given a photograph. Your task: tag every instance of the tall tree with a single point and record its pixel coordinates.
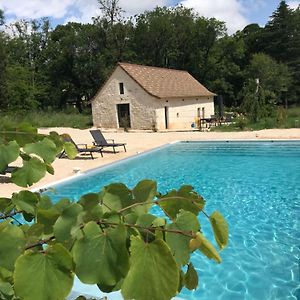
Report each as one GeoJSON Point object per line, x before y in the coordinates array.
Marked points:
{"type": "Point", "coordinates": [76, 63]}
{"type": "Point", "coordinates": [282, 42]}
{"type": "Point", "coordinates": [273, 77]}
{"type": "Point", "coordinates": [111, 10]}
{"type": "Point", "coordinates": [1, 17]}
{"type": "Point", "coordinates": [26, 51]}
{"type": "Point", "coordinates": [2, 64]}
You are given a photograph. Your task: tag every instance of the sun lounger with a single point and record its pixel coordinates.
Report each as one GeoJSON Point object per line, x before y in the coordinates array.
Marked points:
{"type": "Point", "coordinates": [100, 141]}
{"type": "Point", "coordinates": [81, 148]}
{"type": "Point", "coordinates": [8, 169]}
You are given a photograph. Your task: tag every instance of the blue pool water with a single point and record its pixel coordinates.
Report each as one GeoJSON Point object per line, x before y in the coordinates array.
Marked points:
{"type": "Point", "coordinates": [256, 186]}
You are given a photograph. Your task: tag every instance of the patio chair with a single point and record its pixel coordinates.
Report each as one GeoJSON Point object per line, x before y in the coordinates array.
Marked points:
{"type": "Point", "coordinates": [9, 169]}
{"type": "Point", "coordinates": [81, 148]}
{"type": "Point", "coordinates": [100, 141]}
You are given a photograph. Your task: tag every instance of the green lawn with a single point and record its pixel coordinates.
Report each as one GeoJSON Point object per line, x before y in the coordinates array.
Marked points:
{"type": "Point", "coordinates": [279, 119]}
{"type": "Point", "coordinates": [47, 119]}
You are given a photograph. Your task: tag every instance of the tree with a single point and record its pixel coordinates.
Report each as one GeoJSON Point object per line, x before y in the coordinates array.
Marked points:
{"type": "Point", "coordinates": [111, 10]}
{"type": "Point", "coordinates": [76, 61]}
{"type": "Point", "coordinates": [282, 42]}
{"type": "Point", "coordinates": [1, 17]}
{"type": "Point", "coordinates": [26, 52]}
{"type": "Point", "coordinates": [109, 238]}
{"type": "Point", "coordinates": [274, 77]}
{"type": "Point", "coordinates": [2, 64]}
{"type": "Point", "coordinates": [254, 101]}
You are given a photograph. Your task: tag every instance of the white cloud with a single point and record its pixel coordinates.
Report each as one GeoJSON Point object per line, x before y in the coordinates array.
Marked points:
{"type": "Point", "coordinates": [70, 10]}
{"type": "Point", "coordinates": [133, 7]}
{"type": "Point", "coordinates": [229, 11]}
{"type": "Point", "coordinates": [293, 4]}
{"type": "Point", "coordinates": [36, 8]}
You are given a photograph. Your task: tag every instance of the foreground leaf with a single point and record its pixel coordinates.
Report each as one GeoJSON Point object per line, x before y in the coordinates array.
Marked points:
{"type": "Point", "coordinates": [6, 290]}
{"type": "Point", "coordinates": [153, 273]}
{"type": "Point", "coordinates": [220, 229]}
{"type": "Point", "coordinates": [8, 154]}
{"type": "Point", "coordinates": [185, 198]}
{"type": "Point", "coordinates": [31, 172]}
{"type": "Point", "coordinates": [116, 196]}
{"type": "Point", "coordinates": [66, 221]}
{"type": "Point", "coordinates": [46, 149]}
{"type": "Point", "coordinates": [191, 277]}
{"type": "Point", "coordinates": [12, 243]}
{"type": "Point", "coordinates": [70, 150]}
{"type": "Point", "coordinates": [205, 246]}
{"type": "Point", "coordinates": [101, 257]}
{"type": "Point", "coordinates": [44, 276]}
{"type": "Point", "coordinates": [179, 244]}
{"type": "Point", "coordinates": [144, 191]}
{"type": "Point", "coordinates": [25, 201]}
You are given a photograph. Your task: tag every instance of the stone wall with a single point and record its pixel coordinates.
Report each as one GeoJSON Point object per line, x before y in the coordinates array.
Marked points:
{"type": "Point", "coordinates": [142, 105]}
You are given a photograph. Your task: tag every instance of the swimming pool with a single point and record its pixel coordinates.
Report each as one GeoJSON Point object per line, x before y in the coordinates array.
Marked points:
{"type": "Point", "coordinates": [256, 186]}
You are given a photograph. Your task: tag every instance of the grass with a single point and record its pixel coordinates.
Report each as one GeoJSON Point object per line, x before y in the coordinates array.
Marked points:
{"type": "Point", "coordinates": [48, 119]}
{"type": "Point", "coordinates": [279, 119]}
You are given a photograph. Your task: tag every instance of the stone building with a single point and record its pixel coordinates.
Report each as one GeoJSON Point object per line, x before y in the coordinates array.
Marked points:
{"type": "Point", "coordinates": [143, 97]}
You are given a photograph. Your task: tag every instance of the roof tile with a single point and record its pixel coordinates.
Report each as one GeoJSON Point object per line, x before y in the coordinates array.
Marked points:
{"type": "Point", "coordinates": [165, 83]}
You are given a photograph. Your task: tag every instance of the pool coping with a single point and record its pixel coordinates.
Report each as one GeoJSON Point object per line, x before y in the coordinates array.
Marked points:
{"type": "Point", "coordinates": [140, 154]}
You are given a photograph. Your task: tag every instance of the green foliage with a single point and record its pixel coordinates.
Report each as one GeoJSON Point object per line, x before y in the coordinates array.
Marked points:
{"type": "Point", "coordinates": [154, 264]}
{"type": "Point", "coordinates": [109, 238]}
{"type": "Point", "coordinates": [254, 101]}
{"type": "Point", "coordinates": [50, 274]}
{"type": "Point", "coordinates": [47, 119]}
{"type": "Point", "coordinates": [42, 67]}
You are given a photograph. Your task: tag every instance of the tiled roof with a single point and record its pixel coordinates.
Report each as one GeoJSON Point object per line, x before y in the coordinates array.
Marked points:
{"type": "Point", "coordinates": [165, 83]}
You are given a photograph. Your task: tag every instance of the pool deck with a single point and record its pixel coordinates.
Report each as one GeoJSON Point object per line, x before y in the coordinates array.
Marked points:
{"type": "Point", "coordinates": [137, 142]}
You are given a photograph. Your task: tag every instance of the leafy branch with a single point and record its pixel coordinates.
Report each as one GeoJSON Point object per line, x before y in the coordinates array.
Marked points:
{"type": "Point", "coordinates": [110, 238]}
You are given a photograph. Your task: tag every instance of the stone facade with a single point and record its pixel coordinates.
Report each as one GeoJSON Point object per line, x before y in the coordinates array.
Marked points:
{"type": "Point", "coordinates": [146, 111]}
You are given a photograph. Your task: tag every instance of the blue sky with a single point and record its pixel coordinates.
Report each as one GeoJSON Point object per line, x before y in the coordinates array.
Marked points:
{"type": "Point", "coordinates": [236, 13]}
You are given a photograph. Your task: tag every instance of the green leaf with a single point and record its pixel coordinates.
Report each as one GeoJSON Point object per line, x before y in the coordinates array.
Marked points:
{"type": "Point", "coordinates": [31, 172]}
{"type": "Point", "coordinates": [6, 291]}
{"type": "Point", "coordinates": [131, 218]}
{"type": "Point", "coordinates": [11, 246]}
{"type": "Point", "coordinates": [5, 205]}
{"type": "Point", "coordinates": [6, 275]}
{"type": "Point", "coordinates": [70, 150]}
{"type": "Point", "coordinates": [49, 169]}
{"type": "Point", "coordinates": [179, 244]}
{"type": "Point", "coordinates": [116, 196]}
{"type": "Point", "coordinates": [153, 273]}
{"type": "Point", "coordinates": [8, 154]}
{"type": "Point", "coordinates": [45, 275]}
{"type": "Point", "coordinates": [46, 149]}
{"type": "Point", "coordinates": [191, 278]}
{"type": "Point", "coordinates": [25, 201]}
{"type": "Point", "coordinates": [47, 217]}
{"type": "Point", "coordinates": [158, 222]}
{"type": "Point", "coordinates": [220, 229]}
{"type": "Point", "coordinates": [101, 257]}
{"type": "Point", "coordinates": [145, 220]}
{"type": "Point", "coordinates": [205, 246]}
{"type": "Point", "coordinates": [144, 191]}
{"type": "Point", "coordinates": [185, 198]}
{"type": "Point", "coordinates": [92, 211]}
{"type": "Point", "coordinates": [66, 221]}
{"type": "Point", "coordinates": [35, 231]}
{"type": "Point", "coordinates": [23, 134]}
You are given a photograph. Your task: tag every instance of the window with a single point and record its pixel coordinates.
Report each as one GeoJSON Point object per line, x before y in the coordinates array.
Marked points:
{"type": "Point", "coordinates": [121, 88]}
